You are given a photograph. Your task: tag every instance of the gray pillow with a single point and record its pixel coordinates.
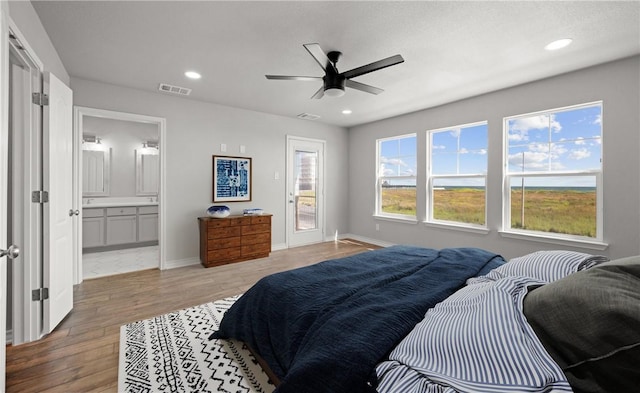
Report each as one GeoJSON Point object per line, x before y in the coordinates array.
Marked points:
{"type": "Point", "coordinates": [589, 322]}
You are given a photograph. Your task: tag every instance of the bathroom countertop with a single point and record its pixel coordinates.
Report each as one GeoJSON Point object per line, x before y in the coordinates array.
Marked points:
{"type": "Point", "coordinates": [117, 202]}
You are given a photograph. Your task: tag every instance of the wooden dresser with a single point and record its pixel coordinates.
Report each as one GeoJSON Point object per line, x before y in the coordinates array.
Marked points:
{"type": "Point", "coordinates": [234, 239]}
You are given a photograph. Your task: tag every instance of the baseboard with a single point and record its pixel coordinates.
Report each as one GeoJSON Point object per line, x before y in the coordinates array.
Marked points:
{"type": "Point", "coordinates": [364, 239]}
{"type": "Point", "coordinates": [9, 336]}
{"type": "Point", "coordinates": [181, 263]}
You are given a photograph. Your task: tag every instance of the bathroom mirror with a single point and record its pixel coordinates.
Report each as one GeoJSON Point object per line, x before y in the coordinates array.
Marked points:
{"type": "Point", "coordinates": [95, 172]}
{"type": "Point", "coordinates": [147, 171]}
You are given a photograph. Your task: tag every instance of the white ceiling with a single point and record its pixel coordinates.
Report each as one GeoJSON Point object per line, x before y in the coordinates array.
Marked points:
{"type": "Point", "coordinates": [452, 49]}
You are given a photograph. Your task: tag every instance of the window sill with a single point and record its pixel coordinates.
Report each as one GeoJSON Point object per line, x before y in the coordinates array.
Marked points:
{"type": "Point", "coordinates": [457, 227]}
{"type": "Point", "coordinates": [406, 220]}
{"type": "Point", "coordinates": [582, 243]}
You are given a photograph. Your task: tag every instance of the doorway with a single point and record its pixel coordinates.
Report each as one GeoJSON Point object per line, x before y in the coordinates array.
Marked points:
{"type": "Point", "coordinates": [120, 188]}
{"type": "Point", "coordinates": [305, 191]}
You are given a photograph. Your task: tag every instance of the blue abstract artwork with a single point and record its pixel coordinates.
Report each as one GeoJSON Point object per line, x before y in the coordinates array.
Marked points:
{"type": "Point", "coordinates": [231, 179]}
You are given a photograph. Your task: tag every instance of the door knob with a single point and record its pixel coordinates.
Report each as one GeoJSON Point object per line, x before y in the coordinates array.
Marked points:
{"type": "Point", "coordinates": [11, 252]}
{"type": "Point", "coordinates": [74, 212]}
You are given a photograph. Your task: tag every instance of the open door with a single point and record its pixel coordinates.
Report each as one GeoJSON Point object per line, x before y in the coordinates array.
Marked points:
{"type": "Point", "coordinates": [58, 213]}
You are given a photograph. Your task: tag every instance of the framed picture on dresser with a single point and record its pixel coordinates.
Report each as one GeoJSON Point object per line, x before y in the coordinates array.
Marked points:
{"type": "Point", "coordinates": [231, 179]}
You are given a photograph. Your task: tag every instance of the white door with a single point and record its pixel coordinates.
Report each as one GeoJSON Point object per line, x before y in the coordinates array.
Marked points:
{"type": "Point", "coordinates": [305, 191]}
{"type": "Point", "coordinates": [59, 212]}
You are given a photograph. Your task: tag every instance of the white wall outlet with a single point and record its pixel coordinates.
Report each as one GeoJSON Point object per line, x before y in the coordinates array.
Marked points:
{"type": "Point", "coordinates": [242, 149]}
{"type": "Point", "coordinates": [377, 227]}
{"type": "Point", "coordinates": [223, 147]}
{"type": "Point", "coordinates": [276, 175]}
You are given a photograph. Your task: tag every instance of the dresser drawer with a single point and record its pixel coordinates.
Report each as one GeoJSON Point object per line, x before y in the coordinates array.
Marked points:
{"type": "Point", "coordinates": [257, 238]}
{"type": "Point", "coordinates": [217, 223]}
{"type": "Point", "coordinates": [255, 228]}
{"type": "Point", "coordinates": [223, 254]}
{"type": "Point", "coordinates": [240, 221]}
{"type": "Point", "coordinates": [220, 233]}
{"type": "Point", "coordinates": [121, 211]}
{"type": "Point", "coordinates": [253, 249]}
{"type": "Point", "coordinates": [216, 244]}
{"type": "Point", "coordinates": [261, 220]}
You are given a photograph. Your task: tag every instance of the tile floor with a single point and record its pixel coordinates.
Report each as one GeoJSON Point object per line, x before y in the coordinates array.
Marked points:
{"type": "Point", "coordinates": [100, 264]}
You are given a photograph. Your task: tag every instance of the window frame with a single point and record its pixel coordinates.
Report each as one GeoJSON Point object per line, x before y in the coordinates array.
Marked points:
{"type": "Point", "coordinates": [380, 180]}
{"type": "Point", "coordinates": [430, 178]}
{"type": "Point", "coordinates": [553, 237]}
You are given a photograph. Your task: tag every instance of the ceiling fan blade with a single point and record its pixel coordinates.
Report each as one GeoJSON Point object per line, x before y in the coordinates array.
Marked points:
{"type": "Point", "coordinates": [319, 94]}
{"type": "Point", "coordinates": [362, 87]}
{"type": "Point", "coordinates": [317, 53]}
{"type": "Point", "coordinates": [293, 78]}
{"type": "Point", "coordinates": [376, 65]}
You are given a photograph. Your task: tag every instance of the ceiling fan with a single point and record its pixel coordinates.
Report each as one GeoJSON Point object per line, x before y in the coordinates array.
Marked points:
{"type": "Point", "coordinates": [334, 82]}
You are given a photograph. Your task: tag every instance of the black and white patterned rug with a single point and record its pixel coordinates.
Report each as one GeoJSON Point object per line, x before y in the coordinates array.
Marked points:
{"type": "Point", "coordinates": [172, 353]}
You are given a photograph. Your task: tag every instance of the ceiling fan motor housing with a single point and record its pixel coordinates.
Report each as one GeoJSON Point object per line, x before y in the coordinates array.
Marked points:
{"type": "Point", "coordinates": [333, 79]}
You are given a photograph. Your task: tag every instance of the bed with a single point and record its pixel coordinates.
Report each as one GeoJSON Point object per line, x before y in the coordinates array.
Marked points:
{"type": "Point", "coordinates": [409, 319]}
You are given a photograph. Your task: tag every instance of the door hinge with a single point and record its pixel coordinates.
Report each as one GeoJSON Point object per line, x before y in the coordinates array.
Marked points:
{"type": "Point", "coordinates": [40, 99]}
{"type": "Point", "coordinates": [40, 196]}
{"type": "Point", "coordinates": [40, 294]}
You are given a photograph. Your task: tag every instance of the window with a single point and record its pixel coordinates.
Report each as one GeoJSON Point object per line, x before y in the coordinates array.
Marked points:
{"type": "Point", "coordinates": [553, 172]}
{"type": "Point", "coordinates": [457, 172]}
{"type": "Point", "coordinates": [396, 186]}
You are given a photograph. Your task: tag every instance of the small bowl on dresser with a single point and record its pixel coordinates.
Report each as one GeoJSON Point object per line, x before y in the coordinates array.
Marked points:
{"type": "Point", "coordinates": [218, 211]}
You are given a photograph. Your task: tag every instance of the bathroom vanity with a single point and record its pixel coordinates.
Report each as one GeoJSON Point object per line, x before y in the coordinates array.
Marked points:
{"type": "Point", "coordinates": [109, 224]}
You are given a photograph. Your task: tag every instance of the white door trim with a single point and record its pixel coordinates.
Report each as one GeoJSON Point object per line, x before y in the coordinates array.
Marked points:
{"type": "Point", "coordinates": [289, 190]}
{"type": "Point", "coordinates": [79, 113]}
{"type": "Point", "coordinates": [27, 271]}
{"type": "Point", "coordinates": [4, 181]}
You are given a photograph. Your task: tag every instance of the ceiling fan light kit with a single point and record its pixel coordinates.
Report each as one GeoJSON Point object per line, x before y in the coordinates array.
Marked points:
{"type": "Point", "coordinates": [334, 92]}
{"type": "Point", "coordinates": [334, 82]}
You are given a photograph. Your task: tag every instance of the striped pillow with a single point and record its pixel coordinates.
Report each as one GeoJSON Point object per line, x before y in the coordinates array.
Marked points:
{"type": "Point", "coordinates": [546, 266]}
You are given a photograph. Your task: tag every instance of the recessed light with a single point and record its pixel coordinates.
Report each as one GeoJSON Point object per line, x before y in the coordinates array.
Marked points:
{"type": "Point", "coordinates": [558, 44]}
{"type": "Point", "coordinates": [192, 75]}
{"type": "Point", "coordinates": [347, 112]}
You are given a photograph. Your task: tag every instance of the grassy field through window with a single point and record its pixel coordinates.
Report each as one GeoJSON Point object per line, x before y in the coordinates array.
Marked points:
{"type": "Point", "coordinates": [571, 212]}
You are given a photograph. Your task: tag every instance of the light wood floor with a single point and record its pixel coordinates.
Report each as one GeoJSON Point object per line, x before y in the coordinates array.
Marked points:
{"type": "Point", "coordinates": [81, 355]}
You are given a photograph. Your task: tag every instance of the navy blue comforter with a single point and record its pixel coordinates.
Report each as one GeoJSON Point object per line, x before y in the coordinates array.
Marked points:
{"type": "Point", "coordinates": [323, 328]}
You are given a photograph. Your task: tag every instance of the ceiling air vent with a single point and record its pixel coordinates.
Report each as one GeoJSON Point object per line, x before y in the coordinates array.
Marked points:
{"type": "Point", "coordinates": [183, 91]}
{"type": "Point", "coordinates": [308, 116]}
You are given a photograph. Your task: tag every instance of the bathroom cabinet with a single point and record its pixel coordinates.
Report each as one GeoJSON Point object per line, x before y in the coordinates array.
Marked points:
{"type": "Point", "coordinates": [147, 223]}
{"type": "Point", "coordinates": [92, 228]}
{"type": "Point", "coordinates": [110, 228]}
{"type": "Point", "coordinates": [122, 225]}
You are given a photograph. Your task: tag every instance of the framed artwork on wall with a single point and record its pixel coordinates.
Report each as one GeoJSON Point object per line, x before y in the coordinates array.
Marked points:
{"type": "Point", "coordinates": [231, 179]}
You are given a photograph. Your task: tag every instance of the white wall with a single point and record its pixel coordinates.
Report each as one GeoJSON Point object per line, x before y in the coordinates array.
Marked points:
{"type": "Point", "coordinates": [194, 133]}
{"type": "Point", "coordinates": [616, 84]}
